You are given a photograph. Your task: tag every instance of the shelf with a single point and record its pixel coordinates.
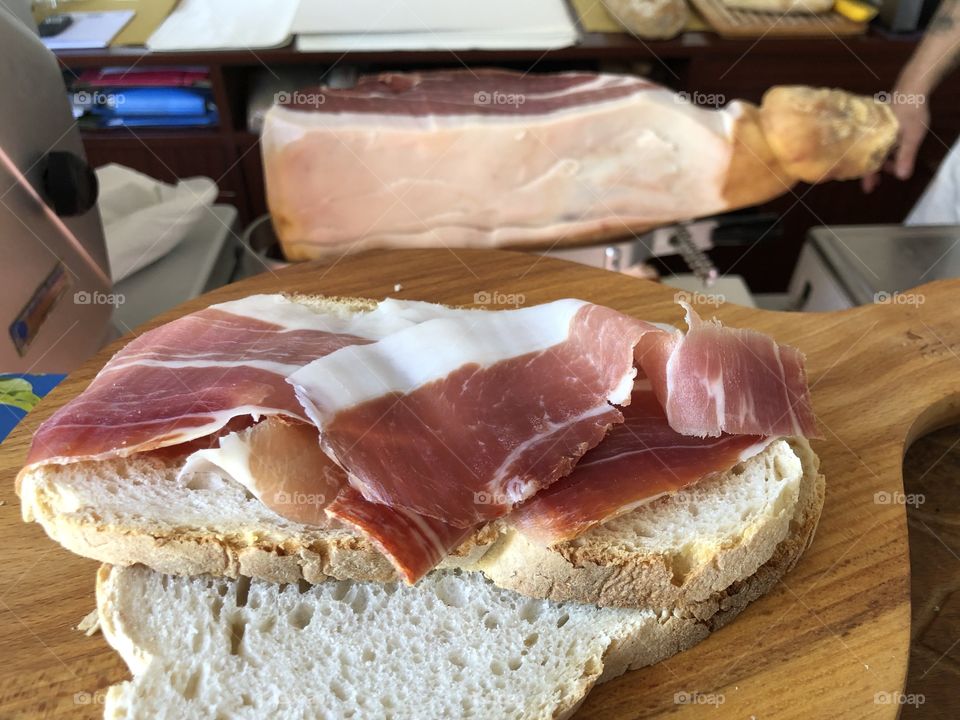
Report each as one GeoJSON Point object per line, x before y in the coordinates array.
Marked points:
{"type": "Point", "coordinates": [143, 133]}
{"type": "Point", "coordinates": [593, 46]}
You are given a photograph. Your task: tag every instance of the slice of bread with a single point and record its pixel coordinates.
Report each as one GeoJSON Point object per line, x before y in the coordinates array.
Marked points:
{"type": "Point", "coordinates": [453, 646]}
{"type": "Point", "coordinates": [676, 551]}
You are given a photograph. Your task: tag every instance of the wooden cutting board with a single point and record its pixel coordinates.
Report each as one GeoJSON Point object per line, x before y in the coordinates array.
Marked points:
{"type": "Point", "coordinates": [829, 641]}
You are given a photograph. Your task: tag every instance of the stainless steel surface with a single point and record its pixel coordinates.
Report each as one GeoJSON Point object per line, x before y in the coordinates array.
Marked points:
{"type": "Point", "coordinates": [612, 258]}
{"type": "Point", "coordinates": [872, 259]}
{"type": "Point", "coordinates": [35, 119]}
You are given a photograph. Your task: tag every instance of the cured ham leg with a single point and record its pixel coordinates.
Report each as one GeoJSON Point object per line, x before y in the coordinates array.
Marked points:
{"type": "Point", "coordinates": [487, 158]}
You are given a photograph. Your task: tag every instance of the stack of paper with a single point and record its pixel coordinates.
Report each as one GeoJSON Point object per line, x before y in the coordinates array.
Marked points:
{"type": "Point", "coordinates": [225, 24]}
{"type": "Point", "coordinates": [89, 30]}
{"type": "Point", "coordinates": [336, 26]}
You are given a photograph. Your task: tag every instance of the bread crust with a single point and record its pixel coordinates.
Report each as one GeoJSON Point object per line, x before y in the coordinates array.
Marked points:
{"type": "Point", "coordinates": [685, 627]}
{"type": "Point", "coordinates": [579, 574]}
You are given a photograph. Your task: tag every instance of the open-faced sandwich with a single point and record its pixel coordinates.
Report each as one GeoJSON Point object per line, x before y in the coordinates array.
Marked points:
{"type": "Point", "coordinates": [316, 507]}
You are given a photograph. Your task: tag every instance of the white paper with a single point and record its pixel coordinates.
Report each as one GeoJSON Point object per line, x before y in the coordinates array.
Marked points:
{"type": "Point", "coordinates": [89, 30]}
{"type": "Point", "coordinates": [144, 219]}
{"type": "Point", "coordinates": [225, 24]}
{"type": "Point", "coordinates": [435, 41]}
{"type": "Point", "coordinates": [392, 16]}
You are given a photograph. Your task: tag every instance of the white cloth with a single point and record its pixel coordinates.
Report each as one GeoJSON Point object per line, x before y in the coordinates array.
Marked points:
{"type": "Point", "coordinates": [144, 219]}
{"type": "Point", "coordinates": [940, 202]}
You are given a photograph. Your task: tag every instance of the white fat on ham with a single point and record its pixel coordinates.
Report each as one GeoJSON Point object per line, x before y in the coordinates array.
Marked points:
{"type": "Point", "coordinates": [430, 351]}
{"type": "Point", "coordinates": [386, 317]}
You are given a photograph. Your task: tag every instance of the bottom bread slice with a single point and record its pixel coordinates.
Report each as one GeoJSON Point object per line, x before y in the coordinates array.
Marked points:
{"type": "Point", "coordinates": [455, 645]}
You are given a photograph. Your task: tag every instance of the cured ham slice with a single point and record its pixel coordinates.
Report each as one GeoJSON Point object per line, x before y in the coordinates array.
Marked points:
{"type": "Point", "coordinates": [282, 465]}
{"type": "Point", "coordinates": [730, 380]}
{"type": "Point", "coordinates": [191, 377]}
{"type": "Point", "coordinates": [415, 544]}
{"type": "Point", "coordinates": [639, 461]}
{"type": "Point", "coordinates": [461, 419]}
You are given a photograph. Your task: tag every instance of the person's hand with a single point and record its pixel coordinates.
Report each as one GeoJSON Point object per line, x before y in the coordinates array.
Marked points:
{"type": "Point", "coordinates": [914, 119]}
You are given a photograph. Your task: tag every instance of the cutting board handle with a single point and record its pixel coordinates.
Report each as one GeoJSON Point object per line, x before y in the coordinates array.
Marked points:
{"type": "Point", "coordinates": [917, 362]}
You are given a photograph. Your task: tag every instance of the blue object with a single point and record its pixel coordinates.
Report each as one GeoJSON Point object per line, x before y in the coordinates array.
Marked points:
{"type": "Point", "coordinates": [153, 101]}
{"type": "Point", "coordinates": [207, 120]}
{"type": "Point", "coordinates": [13, 389]}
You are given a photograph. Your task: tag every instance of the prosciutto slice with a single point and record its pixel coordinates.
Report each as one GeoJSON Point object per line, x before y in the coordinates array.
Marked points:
{"type": "Point", "coordinates": [639, 461]}
{"type": "Point", "coordinates": [461, 419]}
{"type": "Point", "coordinates": [715, 380]}
{"type": "Point", "coordinates": [415, 544]}
{"type": "Point", "coordinates": [281, 463]}
{"type": "Point", "coordinates": [191, 377]}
